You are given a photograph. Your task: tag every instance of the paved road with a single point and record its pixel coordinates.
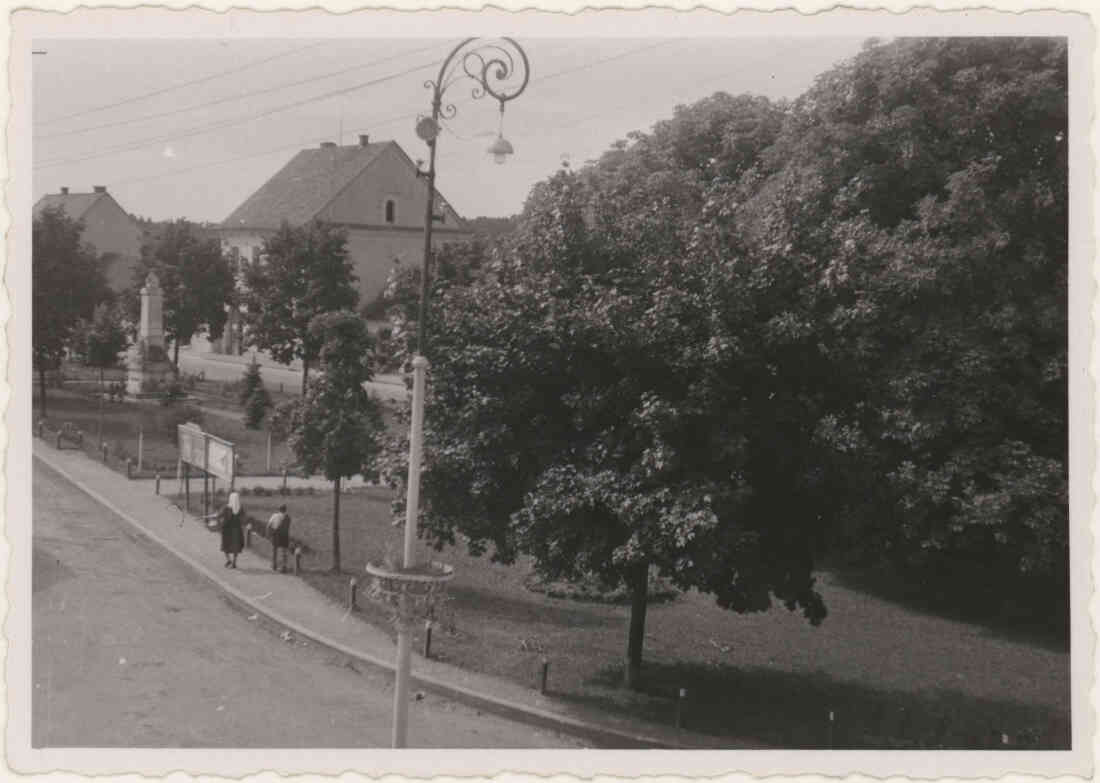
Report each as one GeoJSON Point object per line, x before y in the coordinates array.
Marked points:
{"type": "Point", "coordinates": [132, 648]}
{"type": "Point", "coordinates": [273, 375]}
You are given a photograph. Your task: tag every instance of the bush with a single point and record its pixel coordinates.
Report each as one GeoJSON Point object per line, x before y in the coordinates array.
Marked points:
{"type": "Point", "coordinates": [253, 397]}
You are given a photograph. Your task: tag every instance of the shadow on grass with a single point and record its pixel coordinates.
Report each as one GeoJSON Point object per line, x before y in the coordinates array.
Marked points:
{"type": "Point", "coordinates": [1025, 619]}
{"type": "Point", "coordinates": [515, 610]}
{"type": "Point", "coordinates": [791, 710]}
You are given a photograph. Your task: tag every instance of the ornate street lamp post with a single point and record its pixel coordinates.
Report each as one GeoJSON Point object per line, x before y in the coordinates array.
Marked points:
{"type": "Point", "coordinates": [499, 69]}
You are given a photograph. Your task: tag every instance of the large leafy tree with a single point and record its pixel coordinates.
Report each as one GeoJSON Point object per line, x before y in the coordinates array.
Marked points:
{"type": "Point", "coordinates": [577, 412]}
{"type": "Point", "coordinates": [305, 271]}
{"type": "Point", "coordinates": [335, 427]}
{"type": "Point", "coordinates": [195, 278]}
{"type": "Point", "coordinates": [67, 281]}
{"type": "Point", "coordinates": [918, 196]}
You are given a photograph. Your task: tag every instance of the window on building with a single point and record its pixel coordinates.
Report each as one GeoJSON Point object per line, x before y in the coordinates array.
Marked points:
{"type": "Point", "coordinates": [391, 211]}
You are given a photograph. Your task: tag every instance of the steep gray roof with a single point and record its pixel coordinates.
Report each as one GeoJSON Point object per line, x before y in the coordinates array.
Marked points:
{"type": "Point", "coordinates": [75, 205]}
{"type": "Point", "coordinates": [304, 186]}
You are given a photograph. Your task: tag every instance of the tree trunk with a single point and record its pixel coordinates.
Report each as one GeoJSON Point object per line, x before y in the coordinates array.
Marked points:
{"type": "Point", "coordinates": [42, 388]}
{"type": "Point", "coordinates": [305, 375]}
{"type": "Point", "coordinates": [638, 581]}
{"type": "Point", "coordinates": [336, 525]}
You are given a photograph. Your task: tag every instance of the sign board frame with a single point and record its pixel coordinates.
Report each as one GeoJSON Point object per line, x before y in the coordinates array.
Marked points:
{"type": "Point", "coordinates": [213, 455]}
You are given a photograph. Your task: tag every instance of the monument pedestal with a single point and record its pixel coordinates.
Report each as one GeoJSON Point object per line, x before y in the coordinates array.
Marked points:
{"type": "Point", "coordinates": [148, 376]}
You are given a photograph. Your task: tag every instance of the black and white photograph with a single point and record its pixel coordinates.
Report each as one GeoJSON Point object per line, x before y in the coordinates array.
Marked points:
{"type": "Point", "coordinates": [384, 384]}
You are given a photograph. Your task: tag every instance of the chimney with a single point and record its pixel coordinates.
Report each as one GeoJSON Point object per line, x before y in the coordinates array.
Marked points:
{"type": "Point", "coordinates": [327, 144]}
{"type": "Point", "coordinates": [64, 191]}
{"type": "Point", "coordinates": [100, 188]}
{"type": "Point", "coordinates": [364, 140]}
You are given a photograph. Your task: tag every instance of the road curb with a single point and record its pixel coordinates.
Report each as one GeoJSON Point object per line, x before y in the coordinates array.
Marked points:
{"type": "Point", "coordinates": [607, 735]}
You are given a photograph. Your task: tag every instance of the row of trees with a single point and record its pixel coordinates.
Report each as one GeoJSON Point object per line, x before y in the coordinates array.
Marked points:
{"type": "Point", "coordinates": [767, 332]}
{"type": "Point", "coordinates": [296, 303]}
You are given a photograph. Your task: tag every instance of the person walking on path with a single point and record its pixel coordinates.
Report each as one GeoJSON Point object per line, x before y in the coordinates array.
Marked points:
{"type": "Point", "coordinates": [279, 525]}
{"type": "Point", "coordinates": [232, 521]}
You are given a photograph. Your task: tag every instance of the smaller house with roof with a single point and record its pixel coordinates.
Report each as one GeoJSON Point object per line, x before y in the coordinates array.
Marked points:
{"type": "Point", "coordinates": [371, 189]}
{"type": "Point", "coordinates": [107, 227]}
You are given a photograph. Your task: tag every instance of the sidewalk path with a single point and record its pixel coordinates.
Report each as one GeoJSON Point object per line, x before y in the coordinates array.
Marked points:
{"type": "Point", "coordinates": [304, 611]}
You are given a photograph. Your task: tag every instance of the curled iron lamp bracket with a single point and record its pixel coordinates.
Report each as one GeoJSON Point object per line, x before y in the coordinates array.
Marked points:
{"type": "Point", "coordinates": [498, 67]}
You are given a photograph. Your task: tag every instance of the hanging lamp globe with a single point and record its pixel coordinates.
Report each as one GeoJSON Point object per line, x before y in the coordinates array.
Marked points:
{"type": "Point", "coordinates": [501, 149]}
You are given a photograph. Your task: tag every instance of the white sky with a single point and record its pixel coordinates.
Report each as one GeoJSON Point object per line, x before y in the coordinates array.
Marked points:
{"type": "Point", "coordinates": [200, 162]}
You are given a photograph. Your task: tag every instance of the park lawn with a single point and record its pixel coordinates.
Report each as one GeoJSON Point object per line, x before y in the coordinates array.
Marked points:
{"type": "Point", "coordinates": [893, 677]}
{"type": "Point", "coordinates": [123, 420]}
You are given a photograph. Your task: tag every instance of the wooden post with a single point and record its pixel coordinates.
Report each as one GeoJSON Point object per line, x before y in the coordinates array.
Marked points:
{"type": "Point", "coordinates": [353, 587]}
{"type": "Point", "coordinates": [680, 707]}
{"type": "Point", "coordinates": [297, 560]}
{"type": "Point", "coordinates": [427, 638]}
{"type": "Point", "coordinates": [156, 484]}
{"type": "Point", "coordinates": [129, 468]}
{"type": "Point", "coordinates": [187, 485]}
{"type": "Point", "coordinates": [205, 495]}
{"type": "Point", "coordinates": [544, 675]}
{"type": "Point", "coordinates": [141, 448]}
{"type": "Point", "coordinates": [284, 481]}
{"type": "Point", "coordinates": [268, 452]}
{"type": "Point", "coordinates": [248, 536]}
{"type": "Point", "coordinates": [832, 718]}
{"type": "Point", "coordinates": [104, 447]}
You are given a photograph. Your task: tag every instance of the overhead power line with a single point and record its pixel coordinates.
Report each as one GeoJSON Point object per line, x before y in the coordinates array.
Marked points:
{"type": "Point", "coordinates": [203, 129]}
{"type": "Point", "coordinates": [181, 85]}
{"type": "Point", "coordinates": [235, 97]}
{"type": "Point", "coordinates": [389, 120]}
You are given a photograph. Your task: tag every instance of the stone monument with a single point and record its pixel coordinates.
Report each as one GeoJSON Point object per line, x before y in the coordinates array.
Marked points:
{"type": "Point", "coordinates": [148, 371]}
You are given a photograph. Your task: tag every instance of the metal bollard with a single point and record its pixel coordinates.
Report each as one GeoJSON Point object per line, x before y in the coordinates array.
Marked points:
{"type": "Point", "coordinates": [353, 587]}
{"type": "Point", "coordinates": [427, 638]}
{"type": "Point", "coordinates": [832, 719]}
{"type": "Point", "coordinates": [297, 560]}
{"type": "Point", "coordinates": [274, 556]}
{"type": "Point", "coordinates": [104, 447]}
{"type": "Point", "coordinates": [248, 536]}
{"type": "Point", "coordinates": [544, 675]}
{"type": "Point", "coordinates": [156, 483]}
{"type": "Point", "coordinates": [129, 468]}
{"type": "Point", "coordinates": [284, 480]}
{"type": "Point", "coordinates": [41, 425]}
{"type": "Point", "coordinates": [680, 707]}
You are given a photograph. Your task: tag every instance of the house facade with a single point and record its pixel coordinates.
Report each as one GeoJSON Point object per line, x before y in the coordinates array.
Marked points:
{"type": "Point", "coordinates": [107, 227]}
{"type": "Point", "coordinates": [370, 189]}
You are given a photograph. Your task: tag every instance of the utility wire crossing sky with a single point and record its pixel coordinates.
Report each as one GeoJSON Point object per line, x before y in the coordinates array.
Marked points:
{"type": "Point", "coordinates": [121, 113]}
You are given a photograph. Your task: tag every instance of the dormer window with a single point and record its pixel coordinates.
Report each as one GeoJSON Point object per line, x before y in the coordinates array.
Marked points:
{"type": "Point", "coordinates": [391, 211]}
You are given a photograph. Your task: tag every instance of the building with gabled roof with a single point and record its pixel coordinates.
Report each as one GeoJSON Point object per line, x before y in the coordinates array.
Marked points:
{"type": "Point", "coordinates": [107, 227]}
{"type": "Point", "coordinates": [372, 190]}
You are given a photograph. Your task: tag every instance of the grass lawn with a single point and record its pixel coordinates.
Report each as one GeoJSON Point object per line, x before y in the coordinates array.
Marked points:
{"type": "Point", "coordinates": [123, 420]}
{"type": "Point", "coordinates": [894, 677]}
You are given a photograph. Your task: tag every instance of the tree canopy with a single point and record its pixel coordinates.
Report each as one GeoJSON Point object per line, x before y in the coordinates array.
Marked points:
{"type": "Point", "coordinates": [335, 427]}
{"type": "Point", "coordinates": [762, 333]}
{"type": "Point", "coordinates": [304, 272]}
{"type": "Point", "coordinates": [195, 278]}
{"type": "Point", "coordinates": [919, 194]}
{"type": "Point", "coordinates": [67, 281]}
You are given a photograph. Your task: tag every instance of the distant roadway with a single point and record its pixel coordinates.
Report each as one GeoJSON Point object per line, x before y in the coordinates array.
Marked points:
{"type": "Point", "coordinates": [389, 387]}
